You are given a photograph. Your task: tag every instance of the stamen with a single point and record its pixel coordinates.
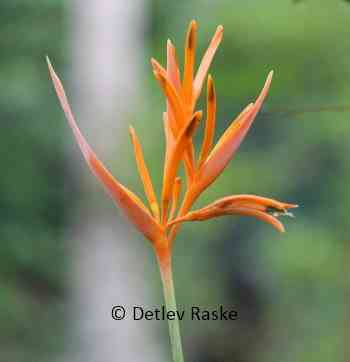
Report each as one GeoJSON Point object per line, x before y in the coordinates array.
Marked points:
{"type": "Point", "coordinates": [276, 212]}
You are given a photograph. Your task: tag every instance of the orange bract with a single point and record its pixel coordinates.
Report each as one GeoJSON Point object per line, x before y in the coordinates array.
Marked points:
{"type": "Point", "coordinates": [158, 223]}
{"type": "Point", "coordinates": [261, 207]}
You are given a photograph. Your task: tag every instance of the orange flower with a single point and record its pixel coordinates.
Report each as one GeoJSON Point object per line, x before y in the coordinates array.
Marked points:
{"type": "Point", "coordinates": [160, 221]}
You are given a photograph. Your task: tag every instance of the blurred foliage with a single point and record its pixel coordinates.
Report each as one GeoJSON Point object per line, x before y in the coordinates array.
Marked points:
{"type": "Point", "coordinates": [291, 290]}
{"type": "Point", "coordinates": [32, 192]}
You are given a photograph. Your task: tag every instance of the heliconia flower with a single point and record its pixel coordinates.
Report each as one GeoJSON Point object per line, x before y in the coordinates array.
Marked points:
{"type": "Point", "coordinates": [160, 220]}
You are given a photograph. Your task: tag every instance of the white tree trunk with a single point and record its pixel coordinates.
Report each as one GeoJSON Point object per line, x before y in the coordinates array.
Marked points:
{"type": "Point", "coordinates": [107, 51]}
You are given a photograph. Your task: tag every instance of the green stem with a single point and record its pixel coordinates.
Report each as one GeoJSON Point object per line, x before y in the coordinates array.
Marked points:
{"type": "Point", "coordinates": [164, 260]}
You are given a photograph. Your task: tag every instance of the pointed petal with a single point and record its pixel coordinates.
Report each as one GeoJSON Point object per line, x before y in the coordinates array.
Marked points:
{"type": "Point", "coordinates": [177, 114]}
{"type": "Point", "coordinates": [244, 211]}
{"type": "Point", "coordinates": [170, 92]}
{"type": "Point", "coordinates": [173, 75]}
{"type": "Point", "coordinates": [175, 197]}
{"type": "Point", "coordinates": [126, 200]}
{"type": "Point", "coordinates": [231, 140]}
{"type": "Point", "coordinates": [170, 142]}
{"type": "Point", "coordinates": [144, 174]}
{"type": "Point", "coordinates": [206, 61]}
{"type": "Point", "coordinates": [190, 49]}
{"type": "Point", "coordinates": [258, 202]}
{"type": "Point", "coordinates": [234, 127]}
{"type": "Point", "coordinates": [174, 160]}
{"type": "Point", "coordinates": [209, 124]}
{"type": "Point", "coordinates": [249, 205]}
{"type": "Point", "coordinates": [172, 66]}
{"type": "Point", "coordinates": [159, 68]}
{"type": "Point", "coordinates": [169, 138]}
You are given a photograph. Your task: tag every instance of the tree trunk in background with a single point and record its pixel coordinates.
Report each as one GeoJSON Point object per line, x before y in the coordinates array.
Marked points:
{"type": "Point", "coordinates": [107, 51]}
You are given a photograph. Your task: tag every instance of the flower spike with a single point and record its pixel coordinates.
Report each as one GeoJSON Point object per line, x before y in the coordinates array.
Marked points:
{"type": "Point", "coordinates": [180, 118]}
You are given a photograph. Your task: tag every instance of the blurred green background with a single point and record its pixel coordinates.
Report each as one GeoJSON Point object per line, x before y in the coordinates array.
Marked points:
{"type": "Point", "coordinates": [291, 290]}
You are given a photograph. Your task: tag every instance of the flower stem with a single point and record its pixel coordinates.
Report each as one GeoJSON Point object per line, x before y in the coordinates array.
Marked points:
{"type": "Point", "coordinates": [164, 261]}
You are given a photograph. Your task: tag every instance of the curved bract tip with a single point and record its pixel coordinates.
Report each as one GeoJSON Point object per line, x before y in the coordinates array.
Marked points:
{"type": "Point", "coordinates": [262, 208]}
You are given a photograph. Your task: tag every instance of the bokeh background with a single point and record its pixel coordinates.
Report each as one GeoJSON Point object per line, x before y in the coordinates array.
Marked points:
{"type": "Point", "coordinates": [66, 256]}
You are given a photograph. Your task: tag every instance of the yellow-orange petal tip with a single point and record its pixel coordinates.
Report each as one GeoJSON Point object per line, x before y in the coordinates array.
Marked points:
{"type": "Point", "coordinates": [193, 23]}
{"type": "Point", "coordinates": [155, 64]}
{"type": "Point", "coordinates": [291, 206]}
{"type": "Point", "coordinates": [49, 64]}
